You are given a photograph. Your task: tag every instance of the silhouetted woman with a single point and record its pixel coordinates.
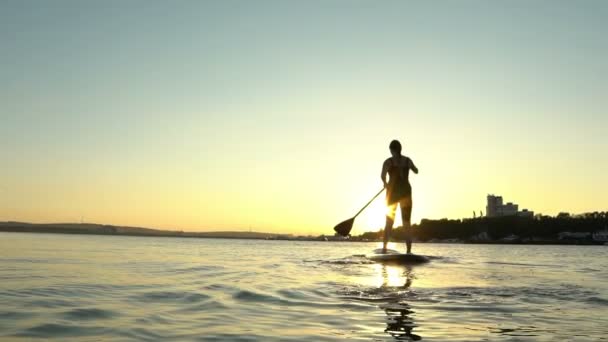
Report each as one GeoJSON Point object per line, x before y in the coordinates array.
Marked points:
{"type": "Point", "coordinates": [398, 192]}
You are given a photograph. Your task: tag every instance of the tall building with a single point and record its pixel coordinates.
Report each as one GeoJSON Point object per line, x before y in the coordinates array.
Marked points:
{"type": "Point", "coordinates": [496, 208]}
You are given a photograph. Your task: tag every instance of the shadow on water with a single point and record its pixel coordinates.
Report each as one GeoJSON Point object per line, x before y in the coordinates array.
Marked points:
{"type": "Point", "coordinates": [399, 322]}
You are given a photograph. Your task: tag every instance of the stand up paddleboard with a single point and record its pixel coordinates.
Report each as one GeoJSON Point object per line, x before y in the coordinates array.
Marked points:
{"type": "Point", "coordinates": [392, 256]}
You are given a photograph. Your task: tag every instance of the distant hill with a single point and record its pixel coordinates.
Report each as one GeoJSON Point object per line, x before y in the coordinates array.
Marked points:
{"type": "Point", "coordinates": [102, 229]}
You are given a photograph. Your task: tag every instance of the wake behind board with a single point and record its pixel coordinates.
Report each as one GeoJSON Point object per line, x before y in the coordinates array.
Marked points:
{"type": "Point", "coordinates": [392, 256]}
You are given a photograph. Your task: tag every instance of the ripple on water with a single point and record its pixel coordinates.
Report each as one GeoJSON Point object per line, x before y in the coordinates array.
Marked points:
{"type": "Point", "coordinates": [210, 305]}
{"type": "Point", "coordinates": [143, 334]}
{"type": "Point", "coordinates": [351, 260]}
{"type": "Point", "coordinates": [88, 314]}
{"type": "Point", "coordinates": [250, 296]}
{"type": "Point", "coordinates": [377, 294]}
{"type": "Point", "coordinates": [520, 264]}
{"type": "Point", "coordinates": [37, 303]}
{"type": "Point", "coordinates": [15, 315]}
{"type": "Point", "coordinates": [197, 269]}
{"type": "Point", "coordinates": [62, 330]}
{"type": "Point", "coordinates": [597, 300]}
{"type": "Point", "coordinates": [300, 295]}
{"type": "Point", "coordinates": [567, 293]}
{"type": "Point", "coordinates": [170, 296]}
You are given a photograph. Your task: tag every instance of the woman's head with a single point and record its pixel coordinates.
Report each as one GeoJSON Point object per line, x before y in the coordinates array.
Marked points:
{"type": "Point", "coordinates": [395, 147]}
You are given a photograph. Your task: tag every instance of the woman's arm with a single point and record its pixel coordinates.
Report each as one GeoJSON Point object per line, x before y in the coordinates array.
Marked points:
{"type": "Point", "coordinates": [412, 166]}
{"type": "Point", "coordinates": [384, 172]}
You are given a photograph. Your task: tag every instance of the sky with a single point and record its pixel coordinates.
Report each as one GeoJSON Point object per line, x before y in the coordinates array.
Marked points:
{"type": "Point", "coordinates": [276, 116]}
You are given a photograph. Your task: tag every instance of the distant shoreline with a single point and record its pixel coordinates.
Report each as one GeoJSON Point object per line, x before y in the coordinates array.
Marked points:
{"type": "Point", "coordinates": [100, 229]}
{"type": "Point", "coordinates": [110, 230]}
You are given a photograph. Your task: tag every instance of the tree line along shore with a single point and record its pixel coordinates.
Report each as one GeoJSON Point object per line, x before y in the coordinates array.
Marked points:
{"type": "Point", "coordinates": [588, 228]}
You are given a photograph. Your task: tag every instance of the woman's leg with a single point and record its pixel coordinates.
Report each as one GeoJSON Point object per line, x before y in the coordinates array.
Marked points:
{"type": "Point", "coordinates": [390, 219]}
{"type": "Point", "coordinates": [406, 217]}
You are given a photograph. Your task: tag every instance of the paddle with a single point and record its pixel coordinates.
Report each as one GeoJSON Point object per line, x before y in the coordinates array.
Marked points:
{"type": "Point", "coordinates": [344, 228]}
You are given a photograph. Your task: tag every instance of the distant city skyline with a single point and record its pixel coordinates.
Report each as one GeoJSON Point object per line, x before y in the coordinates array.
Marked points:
{"type": "Point", "coordinates": [496, 208]}
{"type": "Point", "coordinates": [197, 115]}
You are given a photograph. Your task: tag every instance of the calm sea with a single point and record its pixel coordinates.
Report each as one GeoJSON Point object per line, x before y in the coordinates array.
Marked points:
{"type": "Point", "coordinates": [95, 288]}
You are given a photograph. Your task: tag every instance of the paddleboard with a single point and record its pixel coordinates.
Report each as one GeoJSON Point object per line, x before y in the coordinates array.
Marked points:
{"type": "Point", "coordinates": [392, 256]}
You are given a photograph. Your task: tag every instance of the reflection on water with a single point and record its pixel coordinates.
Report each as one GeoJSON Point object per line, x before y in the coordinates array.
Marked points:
{"type": "Point", "coordinates": [399, 322]}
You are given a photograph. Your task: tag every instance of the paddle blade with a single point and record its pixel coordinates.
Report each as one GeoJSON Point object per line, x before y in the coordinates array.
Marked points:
{"type": "Point", "coordinates": [344, 228]}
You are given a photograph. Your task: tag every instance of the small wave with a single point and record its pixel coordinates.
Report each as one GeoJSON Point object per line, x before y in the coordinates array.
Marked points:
{"type": "Point", "coordinates": [223, 287]}
{"type": "Point", "coordinates": [437, 257]}
{"type": "Point", "coordinates": [4, 315]}
{"type": "Point", "coordinates": [255, 297]}
{"type": "Point", "coordinates": [519, 331]}
{"type": "Point", "coordinates": [298, 294]}
{"type": "Point", "coordinates": [143, 334]}
{"type": "Point", "coordinates": [397, 307]}
{"type": "Point", "coordinates": [49, 303]}
{"type": "Point", "coordinates": [170, 296]}
{"type": "Point", "coordinates": [519, 264]}
{"type": "Point", "coordinates": [352, 260]}
{"type": "Point", "coordinates": [235, 337]}
{"type": "Point", "coordinates": [212, 305]}
{"type": "Point", "coordinates": [250, 296]}
{"type": "Point", "coordinates": [597, 300]}
{"type": "Point", "coordinates": [378, 295]}
{"type": "Point", "coordinates": [22, 277]}
{"type": "Point", "coordinates": [68, 290]}
{"type": "Point", "coordinates": [563, 292]}
{"type": "Point", "coordinates": [196, 269]}
{"type": "Point", "coordinates": [88, 314]}
{"type": "Point", "coordinates": [459, 293]}
{"type": "Point", "coordinates": [61, 330]}
{"type": "Point", "coordinates": [490, 307]}
{"type": "Point", "coordinates": [42, 261]}
{"type": "Point", "coordinates": [155, 319]}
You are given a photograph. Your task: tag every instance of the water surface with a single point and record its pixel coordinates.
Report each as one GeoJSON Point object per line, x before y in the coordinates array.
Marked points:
{"type": "Point", "coordinates": [91, 288]}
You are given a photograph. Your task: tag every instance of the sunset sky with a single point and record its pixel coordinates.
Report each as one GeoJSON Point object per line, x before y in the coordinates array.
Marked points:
{"type": "Point", "coordinates": [277, 115]}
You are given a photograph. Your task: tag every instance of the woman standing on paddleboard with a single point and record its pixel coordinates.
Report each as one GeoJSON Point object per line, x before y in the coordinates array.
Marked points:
{"type": "Point", "coordinates": [398, 192]}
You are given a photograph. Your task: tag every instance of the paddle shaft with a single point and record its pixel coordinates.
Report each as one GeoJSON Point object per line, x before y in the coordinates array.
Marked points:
{"type": "Point", "coordinates": [368, 203]}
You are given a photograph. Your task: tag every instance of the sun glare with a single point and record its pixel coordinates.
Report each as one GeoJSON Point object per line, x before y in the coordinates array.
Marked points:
{"type": "Point", "coordinates": [389, 276]}
{"type": "Point", "coordinates": [375, 217]}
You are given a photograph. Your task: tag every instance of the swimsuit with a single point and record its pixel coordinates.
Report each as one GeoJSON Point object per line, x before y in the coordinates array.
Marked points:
{"type": "Point", "coordinates": [399, 187]}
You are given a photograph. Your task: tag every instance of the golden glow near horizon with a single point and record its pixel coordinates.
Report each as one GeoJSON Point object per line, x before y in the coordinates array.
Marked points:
{"type": "Point", "coordinates": [226, 120]}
